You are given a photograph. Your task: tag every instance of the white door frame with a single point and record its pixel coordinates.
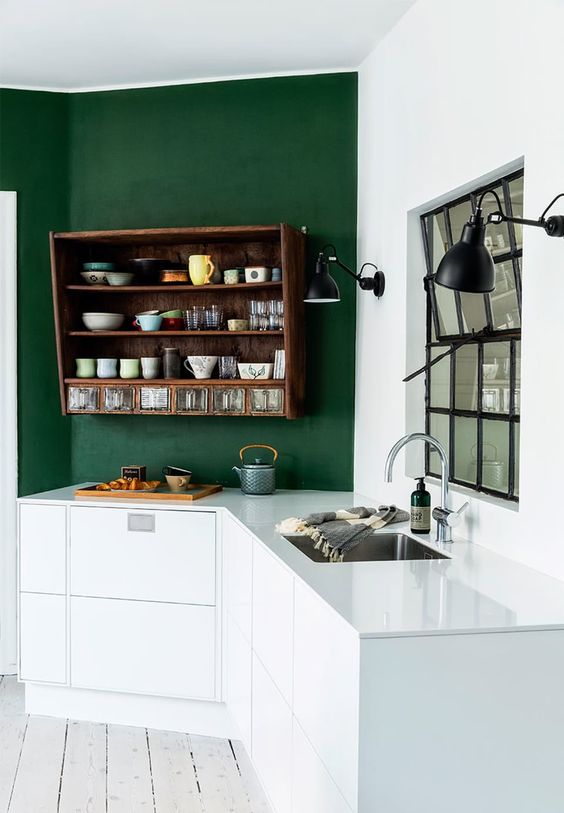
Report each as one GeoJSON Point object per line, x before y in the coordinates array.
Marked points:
{"type": "Point", "coordinates": [8, 432]}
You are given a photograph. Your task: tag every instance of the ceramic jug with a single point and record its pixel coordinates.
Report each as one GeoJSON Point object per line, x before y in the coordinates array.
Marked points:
{"type": "Point", "coordinates": [201, 268]}
{"type": "Point", "coordinates": [258, 477]}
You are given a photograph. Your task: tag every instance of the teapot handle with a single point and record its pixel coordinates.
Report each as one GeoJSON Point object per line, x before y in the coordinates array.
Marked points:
{"type": "Point", "coordinates": [259, 446]}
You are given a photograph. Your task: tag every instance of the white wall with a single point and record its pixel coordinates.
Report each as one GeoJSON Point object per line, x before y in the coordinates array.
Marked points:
{"type": "Point", "coordinates": [453, 93]}
{"type": "Point", "coordinates": [8, 433]}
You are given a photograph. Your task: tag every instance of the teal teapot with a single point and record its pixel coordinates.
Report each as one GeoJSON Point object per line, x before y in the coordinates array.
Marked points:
{"type": "Point", "coordinates": [257, 478]}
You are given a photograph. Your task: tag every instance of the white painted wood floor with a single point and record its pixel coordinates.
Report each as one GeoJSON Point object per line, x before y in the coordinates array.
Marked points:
{"type": "Point", "coordinates": [50, 765]}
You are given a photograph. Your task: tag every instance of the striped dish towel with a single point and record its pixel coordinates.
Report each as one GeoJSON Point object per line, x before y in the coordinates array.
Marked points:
{"type": "Point", "coordinates": [337, 532]}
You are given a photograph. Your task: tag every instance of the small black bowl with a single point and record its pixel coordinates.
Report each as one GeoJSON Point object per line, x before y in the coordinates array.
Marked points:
{"type": "Point", "coordinates": [147, 269]}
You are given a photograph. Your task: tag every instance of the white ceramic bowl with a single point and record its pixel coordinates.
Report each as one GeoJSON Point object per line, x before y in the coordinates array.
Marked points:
{"type": "Point", "coordinates": [119, 277]}
{"type": "Point", "coordinates": [94, 277]}
{"type": "Point", "coordinates": [103, 321]}
{"type": "Point", "coordinates": [255, 370]}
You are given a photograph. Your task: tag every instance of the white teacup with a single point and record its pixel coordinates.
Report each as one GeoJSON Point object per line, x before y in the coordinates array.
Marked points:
{"type": "Point", "coordinates": [200, 366]}
{"type": "Point", "coordinates": [150, 365]}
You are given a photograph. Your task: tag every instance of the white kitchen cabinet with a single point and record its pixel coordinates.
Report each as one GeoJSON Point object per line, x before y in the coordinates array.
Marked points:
{"type": "Point", "coordinates": [144, 647]}
{"type": "Point", "coordinates": [239, 680]}
{"type": "Point", "coordinates": [312, 787]}
{"type": "Point", "coordinates": [272, 739]}
{"type": "Point", "coordinates": [140, 554]}
{"type": "Point", "coordinates": [238, 551]}
{"type": "Point", "coordinates": [273, 614]}
{"type": "Point", "coordinates": [43, 631]}
{"type": "Point", "coordinates": [43, 547]}
{"type": "Point", "coordinates": [326, 687]}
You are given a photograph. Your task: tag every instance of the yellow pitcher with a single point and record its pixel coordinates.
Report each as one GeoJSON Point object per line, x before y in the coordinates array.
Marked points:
{"type": "Point", "coordinates": [201, 268]}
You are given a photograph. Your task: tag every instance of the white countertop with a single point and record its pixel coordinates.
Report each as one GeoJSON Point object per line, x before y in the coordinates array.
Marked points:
{"type": "Point", "coordinates": [474, 591]}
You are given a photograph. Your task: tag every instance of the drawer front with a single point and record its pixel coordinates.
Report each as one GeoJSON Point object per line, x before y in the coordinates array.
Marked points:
{"type": "Point", "coordinates": [238, 667]}
{"type": "Point", "coordinates": [238, 552]}
{"type": "Point", "coordinates": [43, 630]}
{"type": "Point", "coordinates": [142, 554]}
{"type": "Point", "coordinates": [272, 739]}
{"type": "Point", "coordinates": [326, 688]}
{"type": "Point", "coordinates": [312, 787]}
{"type": "Point", "coordinates": [143, 647]}
{"type": "Point", "coordinates": [43, 546]}
{"type": "Point", "coordinates": [273, 613]}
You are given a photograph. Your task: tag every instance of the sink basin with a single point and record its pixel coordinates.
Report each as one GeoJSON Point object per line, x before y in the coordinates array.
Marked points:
{"type": "Point", "coordinates": [377, 548]}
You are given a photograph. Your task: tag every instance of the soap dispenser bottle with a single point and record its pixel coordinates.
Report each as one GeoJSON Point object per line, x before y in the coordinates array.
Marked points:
{"type": "Point", "coordinates": [420, 509]}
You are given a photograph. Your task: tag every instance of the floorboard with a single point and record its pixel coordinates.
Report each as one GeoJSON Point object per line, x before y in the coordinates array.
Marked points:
{"type": "Point", "coordinates": [13, 724]}
{"type": "Point", "coordinates": [83, 786]}
{"type": "Point", "coordinates": [38, 778]}
{"type": "Point", "coordinates": [174, 778]}
{"type": "Point", "coordinates": [50, 765]}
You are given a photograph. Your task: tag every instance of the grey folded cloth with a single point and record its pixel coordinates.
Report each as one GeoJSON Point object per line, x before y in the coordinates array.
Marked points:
{"type": "Point", "coordinates": [337, 532]}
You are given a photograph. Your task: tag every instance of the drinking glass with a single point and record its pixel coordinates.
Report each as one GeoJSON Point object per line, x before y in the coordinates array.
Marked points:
{"type": "Point", "coordinates": [213, 317]}
{"type": "Point", "coordinates": [228, 366]}
{"type": "Point", "coordinates": [194, 317]}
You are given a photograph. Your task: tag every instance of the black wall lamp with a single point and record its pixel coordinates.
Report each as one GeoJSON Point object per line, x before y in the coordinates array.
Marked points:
{"type": "Point", "coordinates": [323, 288]}
{"type": "Point", "coordinates": [468, 266]}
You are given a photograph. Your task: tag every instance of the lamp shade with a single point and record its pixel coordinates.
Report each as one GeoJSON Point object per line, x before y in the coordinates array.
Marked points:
{"type": "Point", "coordinates": [468, 265]}
{"type": "Point", "coordinates": [322, 287]}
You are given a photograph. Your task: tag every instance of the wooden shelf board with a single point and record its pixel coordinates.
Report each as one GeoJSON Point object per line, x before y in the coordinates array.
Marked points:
{"type": "Point", "coordinates": [177, 382]}
{"type": "Point", "coordinates": [199, 234]}
{"type": "Point", "coordinates": [149, 334]}
{"type": "Point", "coordinates": [160, 288]}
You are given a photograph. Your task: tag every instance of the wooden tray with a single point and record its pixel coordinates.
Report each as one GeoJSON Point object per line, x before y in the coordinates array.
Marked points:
{"type": "Point", "coordinates": [195, 492]}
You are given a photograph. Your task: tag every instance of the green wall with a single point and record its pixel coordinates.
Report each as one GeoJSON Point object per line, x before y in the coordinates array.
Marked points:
{"type": "Point", "coordinates": [33, 162]}
{"type": "Point", "coordinates": [226, 153]}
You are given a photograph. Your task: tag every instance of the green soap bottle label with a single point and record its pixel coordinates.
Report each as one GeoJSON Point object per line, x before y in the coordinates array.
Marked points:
{"type": "Point", "coordinates": [420, 518]}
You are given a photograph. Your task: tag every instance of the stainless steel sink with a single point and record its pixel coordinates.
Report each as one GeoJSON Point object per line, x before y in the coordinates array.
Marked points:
{"type": "Point", "coordinates": [377, 548]}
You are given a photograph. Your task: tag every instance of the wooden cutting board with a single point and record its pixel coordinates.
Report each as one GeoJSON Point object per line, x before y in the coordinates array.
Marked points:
{"type": "Point", "coordinates": [194, 492]}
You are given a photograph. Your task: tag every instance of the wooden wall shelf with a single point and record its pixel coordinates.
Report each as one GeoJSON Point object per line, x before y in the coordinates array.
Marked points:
{"type": "Point", "coordinates": [231, 247]}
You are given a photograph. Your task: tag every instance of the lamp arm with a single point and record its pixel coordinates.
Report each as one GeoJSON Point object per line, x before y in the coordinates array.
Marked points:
{"type": "Point", "coordinates": [553, 226]}
{"type": "Point", "coordinates": [332, 258]}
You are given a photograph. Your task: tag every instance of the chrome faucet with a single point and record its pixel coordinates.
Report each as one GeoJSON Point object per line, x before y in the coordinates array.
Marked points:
{"type": "Point", "coordinates": [445, 518]}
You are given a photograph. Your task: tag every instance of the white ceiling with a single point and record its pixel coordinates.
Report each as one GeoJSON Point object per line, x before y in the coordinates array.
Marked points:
{"type": "Point", "coordinates": [80, 45]}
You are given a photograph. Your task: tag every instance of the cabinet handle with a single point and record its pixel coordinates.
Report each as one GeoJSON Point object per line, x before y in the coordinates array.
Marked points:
{"type": "Point", "coordinates": [141, 522]}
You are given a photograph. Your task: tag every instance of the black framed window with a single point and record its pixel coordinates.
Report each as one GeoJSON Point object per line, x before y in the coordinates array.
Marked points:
{"type": "Point", "coordinates": [472, 396]}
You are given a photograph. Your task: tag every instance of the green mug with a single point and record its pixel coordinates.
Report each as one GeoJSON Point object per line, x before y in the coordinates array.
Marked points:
{"type": "Point", "coordinates": [86, 368]}
{"type": "Point", "coordinates": [129, 368]}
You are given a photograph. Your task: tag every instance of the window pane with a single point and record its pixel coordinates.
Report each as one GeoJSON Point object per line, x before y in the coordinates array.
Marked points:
{"type": "Point", "coordinates": [436, 238]}
{"type": "Point", "coordinates": [496, 378]}
{"type": "Point", "coordinates": [495, 462]}
{"type": "Point", "coordinates": [516, 194]}
{"type": "Point", "coordinates": [517, 457]}
{"type": "Point", "coordinates": [504, 304]}
{"type": "Point", "coordinates": [438, 425]}
{"type": "Point", "coordinates": [497, 235]}
{"type": "Point", "coordinates": [473, 312]}
{"type": "Point", "coordinates": [446, 306]}
{"type": "Point", "coordinates": [465, 436]}
{"type": "Point", "coordinates": [517, 378]}
{"type": "Point", "coordinates": [440, 379]}
{"type": "Point", "coordinates": [459, 215]}
{"type": "Point", "coordinates": [466, 395]}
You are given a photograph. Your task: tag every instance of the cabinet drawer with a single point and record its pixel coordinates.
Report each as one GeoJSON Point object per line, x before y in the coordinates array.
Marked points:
{"type": "Point", "coordinates": [43, 630]}
{"type": "Point", "coordinates": [312, 787]}
{"type": "Point", "coordinates": [272, 739]}
{"type": "Point", "coordinates": [143, 647]}
{"type": "Point", "coordinates": [238, 552]}
{"type": "Point", "coordinates": [327, 687]}
{"type": "Point", "coordinates": [273, 612]}
{"type": "Point", "coordinates": [142, 554]}
{"type": "Point", "coordinates": [43, 548]}
{"type": "Point", "coordinates": [239, 665]}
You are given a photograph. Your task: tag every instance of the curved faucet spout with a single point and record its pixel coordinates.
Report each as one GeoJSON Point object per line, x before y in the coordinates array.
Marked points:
{"type": "Point", "coordinates": [438, 446]}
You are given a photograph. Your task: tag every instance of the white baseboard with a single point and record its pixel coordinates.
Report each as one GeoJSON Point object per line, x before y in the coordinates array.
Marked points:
{"type": "Point", "coordinates": [208, 719]}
